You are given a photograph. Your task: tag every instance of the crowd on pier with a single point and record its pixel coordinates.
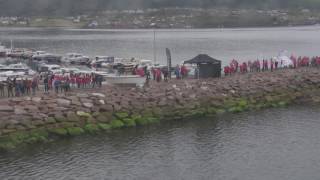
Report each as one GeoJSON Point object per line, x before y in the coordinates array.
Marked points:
{"type": "Point", "coordinates": [235, 66]}
{"type": "Point", "coordinates": [62, 83]}
{"type": "Point", "coordinates": [159, 74]}
{"type": "Point", "coordinates": [58, 83]}
{"type": "Point", "coordinates": [270, 65]}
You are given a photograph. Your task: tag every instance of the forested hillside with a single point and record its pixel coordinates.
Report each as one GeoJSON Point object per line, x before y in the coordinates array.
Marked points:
{"type": "Point", "coordinates": [72, 7]}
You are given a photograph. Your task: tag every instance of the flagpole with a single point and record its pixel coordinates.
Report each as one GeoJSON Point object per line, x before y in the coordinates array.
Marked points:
{"type": "Point", "coordinates": [154, 46]}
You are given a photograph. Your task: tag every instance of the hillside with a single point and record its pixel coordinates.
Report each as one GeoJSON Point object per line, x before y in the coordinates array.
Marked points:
{"type": "Point", "coordinates": [75, 7]}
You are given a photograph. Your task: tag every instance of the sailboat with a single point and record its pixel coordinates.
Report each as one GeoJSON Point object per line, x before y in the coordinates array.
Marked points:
{"type": "Point", "coordinates": [3, 50]}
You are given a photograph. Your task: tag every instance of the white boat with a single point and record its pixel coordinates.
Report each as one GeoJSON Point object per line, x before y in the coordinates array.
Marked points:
{"type": "Point", "coordinates": [46, 57]}
{"type": "Point", "coordinates": [17, 52]}
{"type": "Point", "coordinates": [16, 68]}
{"type": "Point", "coordinates": [125, 80]}
{"type": "Point", "coordinates": [3, 51]}
{"type": "Point", "coordinates": [102, 61]}
{"type": "Point", "coordinates": [76, 58]}
{"type": "Point", "coordinates": [53, 68]}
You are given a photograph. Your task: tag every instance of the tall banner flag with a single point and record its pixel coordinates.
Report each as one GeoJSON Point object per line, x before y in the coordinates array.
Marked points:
{"type": "Point", "coordinates": [169, 61]}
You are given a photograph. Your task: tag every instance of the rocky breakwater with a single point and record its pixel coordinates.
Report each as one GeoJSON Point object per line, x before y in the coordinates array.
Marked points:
{"type": "Point", "coordinates": [29, 120]}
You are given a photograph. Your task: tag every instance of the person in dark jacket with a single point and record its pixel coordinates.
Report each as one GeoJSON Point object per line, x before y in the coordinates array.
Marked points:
{"type": "Point", "coordinates": [46, 84]}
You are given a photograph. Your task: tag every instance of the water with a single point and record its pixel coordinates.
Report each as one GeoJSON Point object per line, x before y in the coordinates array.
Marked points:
{"type": "Point", "coordinates": [264, 145]}
{"type": "Point", "coordinates": [271, 144]}
{"type": "Point", "coordinates": [224, 44]}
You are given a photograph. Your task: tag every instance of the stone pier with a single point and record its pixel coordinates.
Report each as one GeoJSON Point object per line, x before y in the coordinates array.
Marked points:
{"type": "Point", "coordinates": [27, 120]}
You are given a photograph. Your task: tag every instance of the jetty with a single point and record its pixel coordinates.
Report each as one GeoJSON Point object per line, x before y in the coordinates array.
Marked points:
{"type": "Point", "coordinates": [31, 119]}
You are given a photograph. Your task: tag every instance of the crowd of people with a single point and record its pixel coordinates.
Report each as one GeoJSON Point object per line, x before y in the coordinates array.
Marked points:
{"type": "Point", "coordinates": [159, 74]}
{"type": "Point", "coordinates": [61, 83]}
{"type": "Point", "coordinates": [64, 82]}
{"type": "Point", "coordinates": [272, 64]}
{"type": "Point", "coordinates": [15, 87]}
{"type": "Point", "coordinates": [58, 83]}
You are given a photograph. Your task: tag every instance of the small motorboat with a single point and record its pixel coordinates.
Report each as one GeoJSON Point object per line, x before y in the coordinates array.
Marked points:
{"type": "Point", "coordinates": [42, 56]}
{"type": "Point", "coordinates": [125, 80]}
{"type": "Point", "coordinates": [17, 69]}
{"type": "Point", "coordinates": [77, 59]}
{"type": "Point", "coordinates": [102, 61]}
{"type": "Point", "coordinates": [3, 51]}
{"type": "Point", "coordinates": [17, 52]}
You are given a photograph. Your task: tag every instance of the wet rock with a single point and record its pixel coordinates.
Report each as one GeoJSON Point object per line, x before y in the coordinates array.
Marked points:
{"type": "Point", "coordinates": [76, 102]}
{"type": "Point", "coordinates": [31, 108]}
{"type": "Point", "coordinates": [36, 99]}
{"type": "Point", "coordinates": [11, 123]}
{"type": "Point", "coordinates": [16, 100]}
{"type": "Point", "coordinates": [2, 124]}
{"type": "Point", "coordinates": [49, 120]}
{"type": "Point", "coordinates": [5, 108]}
{"type": "Point", "coordinates": [72, 117]}
{"type": "Point", "coordinates": [85, 100]}
{"type": "Point", "coordinates": [63, 102]}
{"type": "Point", "coordinates": [205, 88]}
{"type": "Point", "coordinates": [106, 108]}
{"type": "Point", "coordinates": [99, 95]}
{"type": "Point", "coordinates": [162, 102]}
{"type": "Point", "coordinates": [82, 95]}
{"type": "Point", "coordinates": [88, 105]}
{"type": "Point", "coordinates": [83, 114]}
{"type": "Point", "coordinates": [102, 102]}
{"type": "Point", "coordinates": [52, 105]}
{"type": "Point", "coordinates": [27, 98]}
{"type": "Point", "coordinates": [193, 96]}
{"type": "Point", "coordinates": [20, 111]}
{"type": "Point", "coordinates": [38, 122]}
{"type": "Point", "coordinates": [59, 117]}
{"type": "Point", "coordinates": [8, 131]}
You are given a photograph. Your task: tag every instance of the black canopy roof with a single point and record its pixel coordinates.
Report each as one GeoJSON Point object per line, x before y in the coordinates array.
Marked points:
{"type": "Point", "coordinates": [202, 58]}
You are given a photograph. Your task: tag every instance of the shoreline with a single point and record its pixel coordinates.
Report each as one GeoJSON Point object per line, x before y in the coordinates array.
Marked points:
{"type": "Point", "coordinates": [147, 29]}
{"type": "Point", "coordinates": [29, 120]}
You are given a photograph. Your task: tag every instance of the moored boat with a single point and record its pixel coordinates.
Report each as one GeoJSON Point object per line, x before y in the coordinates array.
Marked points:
{"type": "Point", "coordinates": [125, 80]}
{"type": "Point", "coordinates": [17, 52]}
{"type": "Point", "coordinates": [44, 57]}
{"type": "Point", "coordinates": [16, 68]}
{"type": "Point", "coordinates": [3, 51]}
{"type": "Point", "coordinates": [76, 58]}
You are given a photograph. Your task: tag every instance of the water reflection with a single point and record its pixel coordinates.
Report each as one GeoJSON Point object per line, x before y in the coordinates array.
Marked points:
{"type": "Point", "coordinates": [270, 144]}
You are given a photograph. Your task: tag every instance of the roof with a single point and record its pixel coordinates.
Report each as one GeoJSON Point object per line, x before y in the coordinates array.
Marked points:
{"type": "Point", "coordinates": [202, 58]}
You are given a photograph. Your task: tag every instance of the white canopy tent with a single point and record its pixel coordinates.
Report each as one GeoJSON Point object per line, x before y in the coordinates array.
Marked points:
{"type": "Point", "coordinates": [284, 61]}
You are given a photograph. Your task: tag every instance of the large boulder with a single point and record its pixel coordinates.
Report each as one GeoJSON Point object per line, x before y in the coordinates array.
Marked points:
{"type": "Point", "coordinates": [72, 117]}
{"type": "Point", "coordinates": [6, 108]}
{"type": "Point", "coordinates": [36, 99]}
{"type": "Point", "coordinates": [99, 95]}
{"type": "Point", "coordinates": [88, 105]}
{"type": "Point", "coordinates": [63, 102]}
{"type": "Point", "coordinates": [19, 111]}
{"type": "Point", "coordinates": [82, 95]}
{"type": "Point", "coordinates": [102, 102]}
{"type": "Point", "coordinates": [31, 108]}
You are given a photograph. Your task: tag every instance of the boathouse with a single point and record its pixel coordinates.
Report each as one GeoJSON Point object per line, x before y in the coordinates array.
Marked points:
{"type": "Point", "coordinates": [208, 67]}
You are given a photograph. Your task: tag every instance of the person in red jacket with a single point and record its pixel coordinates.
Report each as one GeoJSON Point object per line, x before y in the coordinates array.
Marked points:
{"type": "Point", "coordinates": [226, 70]}
{"type": "Point", "coordinates": [158, 75]}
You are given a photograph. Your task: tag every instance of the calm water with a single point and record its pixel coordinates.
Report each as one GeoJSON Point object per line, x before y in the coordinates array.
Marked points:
{"type": "Point", "coordinates": [223, 44]}
{"type": "Point", "coordinates": [264, 145]}
{"type": "Point", "coordinates": [271, 144]}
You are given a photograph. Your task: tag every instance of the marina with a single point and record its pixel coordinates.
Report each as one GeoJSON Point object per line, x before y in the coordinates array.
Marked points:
{"type": "Point", "coordinates": [250, 123]}
{"type": "Point", "coordinates": [159, 89]}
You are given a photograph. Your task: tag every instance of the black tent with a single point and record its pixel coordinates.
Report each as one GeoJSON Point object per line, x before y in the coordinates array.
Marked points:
{"type": "Point", "coordinates": [208, 66]}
